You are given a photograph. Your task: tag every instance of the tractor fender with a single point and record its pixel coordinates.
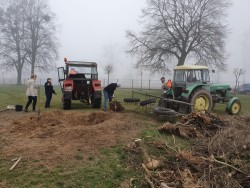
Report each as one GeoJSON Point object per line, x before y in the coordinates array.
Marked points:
{"type": "Point", "coordinates": [96, 84]}
{"type": "Point", "coordinates": [230, 102]}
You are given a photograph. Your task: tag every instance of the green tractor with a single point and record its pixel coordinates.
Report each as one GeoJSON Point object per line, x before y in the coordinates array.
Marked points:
{"type": "Point", "coordinates": [192, 91]}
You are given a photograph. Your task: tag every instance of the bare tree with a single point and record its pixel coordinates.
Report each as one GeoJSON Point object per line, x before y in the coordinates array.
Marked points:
{"type": "Point", "coordinates": [27, 35]}
{"type": "Point", "coordinates": [108, 69]}
{"type": "Point", "coordinates": [12, 36]}
{"type": "Point", "coordinates": [177, 29]}
{"type": "Point", "coordinates": [237, 73]}
{"type": "Point", "coordinates": [41, 29]}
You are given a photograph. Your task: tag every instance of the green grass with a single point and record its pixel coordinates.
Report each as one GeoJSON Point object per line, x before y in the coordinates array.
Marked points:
{"type": "Point", "coordinates": [14, 94]}
{"type": "Point", "coordinates": [106, 170]}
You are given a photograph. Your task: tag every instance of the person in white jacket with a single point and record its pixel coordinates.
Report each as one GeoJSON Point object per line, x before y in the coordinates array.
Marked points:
{"type": "Point", "coordinates": [31, 92]}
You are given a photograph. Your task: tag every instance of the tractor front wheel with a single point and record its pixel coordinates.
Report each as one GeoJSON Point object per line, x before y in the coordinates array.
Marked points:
{"type": "Point", "coordinates": [235, 107]}
{"type": "Point", "coordinates": [67, 104]}
{"type": "Point", "coordinates": [202, 101]}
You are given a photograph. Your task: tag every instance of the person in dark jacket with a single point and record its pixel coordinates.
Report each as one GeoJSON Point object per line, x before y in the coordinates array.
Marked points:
{"type": "Point", "coordinates": [48, 92]}
{"type": "Point", "coordinates": [108, 92]}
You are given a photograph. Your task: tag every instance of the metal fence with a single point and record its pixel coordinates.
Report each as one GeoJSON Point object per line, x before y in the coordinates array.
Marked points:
{"type": "Point", "coordinates": [125, 83]}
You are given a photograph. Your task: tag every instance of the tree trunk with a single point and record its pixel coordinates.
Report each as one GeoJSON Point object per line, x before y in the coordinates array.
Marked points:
{"type": "Point", "coordinates": [32, 68]}
{"type": "Point", "coordinates": [108, 79]}
{"type": "Point", "coordinates": [181, 59]}
{"type": "Point", "coordinates": [19, 75]}
{"type": "Point", "coordinates": [33, 60]}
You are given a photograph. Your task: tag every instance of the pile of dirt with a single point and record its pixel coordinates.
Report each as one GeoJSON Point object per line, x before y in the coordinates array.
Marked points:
{"type": "Point", "coordinates": [218, 156]}
{"type": "Point", "coordinates": [58, 118]}
{"type": "Point", "coordinates": [57, 136]}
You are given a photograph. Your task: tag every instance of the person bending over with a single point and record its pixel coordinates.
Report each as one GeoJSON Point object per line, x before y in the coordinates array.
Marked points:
{"type": "Point", "coordinates": [108, 92]}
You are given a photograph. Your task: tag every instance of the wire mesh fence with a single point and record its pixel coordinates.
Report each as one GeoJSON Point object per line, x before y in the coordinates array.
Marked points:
{"type": "Point", "coordinates": [125, 83]}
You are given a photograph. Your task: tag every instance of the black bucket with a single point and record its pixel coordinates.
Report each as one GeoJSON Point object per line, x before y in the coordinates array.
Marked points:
{"type": "Point", "coordinates": [19, 108]}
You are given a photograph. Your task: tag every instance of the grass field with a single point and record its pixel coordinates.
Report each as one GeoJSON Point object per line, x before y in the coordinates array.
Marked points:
{"type": "Point", "coordinates": [13, 94]}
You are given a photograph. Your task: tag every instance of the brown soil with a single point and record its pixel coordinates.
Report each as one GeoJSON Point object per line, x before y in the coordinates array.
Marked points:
{"type": "Point", "coordinates": [59, 135]}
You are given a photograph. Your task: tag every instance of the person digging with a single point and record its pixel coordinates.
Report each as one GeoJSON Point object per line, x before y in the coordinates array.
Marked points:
{"type": "Point", "coordinates": [108, 92]}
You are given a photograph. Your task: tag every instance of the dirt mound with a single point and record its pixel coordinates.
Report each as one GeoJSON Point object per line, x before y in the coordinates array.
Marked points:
{"type": "Point", "coordinates": [58, 118]}
{"type": "Point", "coordinates": [61, 135]}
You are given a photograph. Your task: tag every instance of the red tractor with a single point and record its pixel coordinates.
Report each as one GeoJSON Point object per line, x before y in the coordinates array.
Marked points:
{"type": "Point", "coordinates": [79, 81]}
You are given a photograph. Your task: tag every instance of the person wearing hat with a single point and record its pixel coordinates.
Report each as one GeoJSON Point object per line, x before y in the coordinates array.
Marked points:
{"type": "Point", "coordinates": [48, 92]}
{"type": "Point", "coordinates": [108, 92]}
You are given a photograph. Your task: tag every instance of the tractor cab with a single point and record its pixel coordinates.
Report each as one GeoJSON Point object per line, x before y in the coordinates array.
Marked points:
{"type": "Point", "coordinates": [186, 78]}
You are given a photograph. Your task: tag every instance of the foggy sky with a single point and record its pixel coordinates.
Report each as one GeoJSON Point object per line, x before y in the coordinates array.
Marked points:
{"type": "Point", "coordinates": [88, 27]}
{"type": "Point", "coordinates": [94, 30]}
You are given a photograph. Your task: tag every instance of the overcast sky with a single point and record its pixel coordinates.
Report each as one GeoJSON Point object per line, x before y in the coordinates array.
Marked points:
{"type": "Point", "coordinates": [88, 27]}
{"type": "Point", "coordinates": [94, 30]}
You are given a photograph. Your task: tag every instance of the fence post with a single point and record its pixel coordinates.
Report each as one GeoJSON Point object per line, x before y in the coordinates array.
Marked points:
{"type": "Point", "coordinates": [132, 89]}
{"type": "Point", "coordinates": [149, 84]}
{"type": "Point", "coordinates": [10, 81]}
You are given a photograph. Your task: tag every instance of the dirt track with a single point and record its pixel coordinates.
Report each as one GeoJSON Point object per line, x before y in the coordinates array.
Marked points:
{"type": "Point", "coordinates": [58, 135]}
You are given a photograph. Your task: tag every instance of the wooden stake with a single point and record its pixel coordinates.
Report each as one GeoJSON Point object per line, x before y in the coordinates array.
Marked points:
{"type": "Point", "coordinates": [14, 165]}
{"type": "Point", "coordinates": [38, 101]}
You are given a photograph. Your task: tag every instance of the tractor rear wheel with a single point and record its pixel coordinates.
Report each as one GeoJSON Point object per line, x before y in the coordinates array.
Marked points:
{"type": "Point", "coordinates": [67, 104]}
{"type": "Point", "coordinates": [235, 108]}
{"type": "Point", "coordinates": [201, 100]}
{"type": "Point", "coordinates": [96, 102]}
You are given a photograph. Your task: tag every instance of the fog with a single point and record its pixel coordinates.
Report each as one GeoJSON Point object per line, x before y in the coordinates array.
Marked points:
{"type": "Point", "coordinates": [95, 31]}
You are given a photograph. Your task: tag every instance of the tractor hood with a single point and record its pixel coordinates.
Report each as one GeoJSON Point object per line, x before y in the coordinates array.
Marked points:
{"type": "Point", "coordinates": [214, 87]}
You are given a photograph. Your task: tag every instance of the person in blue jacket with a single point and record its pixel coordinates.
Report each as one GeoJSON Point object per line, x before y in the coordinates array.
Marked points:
{"type": "Point", "coordinates": [108, 92]}
{"type": "Point", "coordinates": [48, 92]}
